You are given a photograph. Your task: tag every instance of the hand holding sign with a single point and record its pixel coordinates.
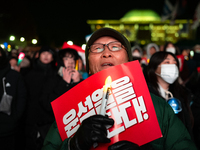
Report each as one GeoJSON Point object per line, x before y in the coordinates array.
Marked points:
{"type": "Point", "coordinates": [93, 129]}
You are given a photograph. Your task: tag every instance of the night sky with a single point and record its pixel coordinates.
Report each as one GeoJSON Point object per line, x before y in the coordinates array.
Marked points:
{"type": "Point", "coordinates": [56, 21]}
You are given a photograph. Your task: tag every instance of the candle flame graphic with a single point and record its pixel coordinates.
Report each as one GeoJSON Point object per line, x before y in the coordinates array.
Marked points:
{"type": "Point", "coordinates": [108, 82]}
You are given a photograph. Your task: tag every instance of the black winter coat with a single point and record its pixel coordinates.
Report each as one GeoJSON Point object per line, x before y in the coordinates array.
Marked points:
{"type": "Point", "coordinates": [44, 85]}
{"type": "Point", "coordinates": [15, 87]}
{"type": "Point", "coordinates": [37, 80]}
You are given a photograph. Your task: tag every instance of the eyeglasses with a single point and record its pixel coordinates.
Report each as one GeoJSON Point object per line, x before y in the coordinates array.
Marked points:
{"type": "Point", "coordinates": [112, 46]}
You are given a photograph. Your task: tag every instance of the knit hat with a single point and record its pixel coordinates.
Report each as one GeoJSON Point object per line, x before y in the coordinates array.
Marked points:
{"type": "Point", "coordinates": [48, 49]}
{"type": "Point", "coordinates": [107, 32]}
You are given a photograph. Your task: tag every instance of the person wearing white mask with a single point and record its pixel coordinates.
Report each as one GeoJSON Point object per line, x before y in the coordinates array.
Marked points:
{"type": "Point", "coordinates": [170, 47]}
{"type": "Point", "coordinates": [162, 79]}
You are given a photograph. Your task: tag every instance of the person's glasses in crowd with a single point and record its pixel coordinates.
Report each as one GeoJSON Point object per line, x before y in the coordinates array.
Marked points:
{"type": "Point", "coordinates": [112, 46]}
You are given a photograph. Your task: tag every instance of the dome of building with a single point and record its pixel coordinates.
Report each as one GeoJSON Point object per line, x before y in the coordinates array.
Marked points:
{"type": "Point", "coordinates": [140, 15]}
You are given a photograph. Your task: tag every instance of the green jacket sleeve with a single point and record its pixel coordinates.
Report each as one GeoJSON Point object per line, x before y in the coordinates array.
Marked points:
{"type": "Point", "coordinates": [175, 134]}
{"type": "Point", "coordinates": [53, 140]}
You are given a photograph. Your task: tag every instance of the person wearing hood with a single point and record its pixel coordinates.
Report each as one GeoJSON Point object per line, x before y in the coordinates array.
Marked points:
{"type": "Point", "coordinates": [105, 48]}
{"type": "Point", "coordinates": [37, 80]}
{"type": "Point", "coordinates": [13, 96]}
{"type": "Point", "coordinates": [151, 49]}
{"type": "Point", "coordinates": [137, 53]}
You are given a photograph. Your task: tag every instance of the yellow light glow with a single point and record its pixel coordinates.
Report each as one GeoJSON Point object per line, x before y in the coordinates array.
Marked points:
{"type": "Point", "coordinates": [151, 26]}
{"type": "Point", "coordinates": [159, 27]}
{"type": "Point", "coordinates": [184, 35]}
{"type": "Point", "coordinates": [98, 27]}
{"type": "Point", "coordinates": [108, 82]}
{"type": "Point", "coordinates": [9, 48]}
{"type": "Point", "coordinates": [136, 26]}
{"type": "Point", "coordinates": [121, 26]}
{"type": "Point", "coordinates": [142, 42]}
{"type": "Point", "coordinates": [100, 21]}
{"type": "Point", "coordinates": [107, 25]}
{"type": "Point", "coordinates": [176, 35]}
{"type": "Point", "coordinates": [165, 26]}
{"type": "Point", "coordinates": [181, 26]}
{"type": "Point", "coordinates": [153, 34]}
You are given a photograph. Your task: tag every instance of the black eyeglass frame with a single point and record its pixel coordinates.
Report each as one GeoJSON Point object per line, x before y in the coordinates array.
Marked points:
{"type": "Point", "coordinates": [122, 46]}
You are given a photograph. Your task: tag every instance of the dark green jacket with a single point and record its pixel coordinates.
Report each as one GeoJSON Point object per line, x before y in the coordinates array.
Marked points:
{"type": "Point", "coordinates": [175, 135]}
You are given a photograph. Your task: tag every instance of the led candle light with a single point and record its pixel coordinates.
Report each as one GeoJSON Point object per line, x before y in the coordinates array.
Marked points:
{"type": "Point", "coordinates": [106, 92]}
{"type": "Point", "coordinates": [20, 58]}
{"type": "Point", "coordinates": [76, 67]}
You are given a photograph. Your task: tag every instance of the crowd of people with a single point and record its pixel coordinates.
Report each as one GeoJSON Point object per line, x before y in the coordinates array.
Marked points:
{"type": "Point", "coordinates": [35, 84]}
{"type": "Point", "coordinates": [27, 89]}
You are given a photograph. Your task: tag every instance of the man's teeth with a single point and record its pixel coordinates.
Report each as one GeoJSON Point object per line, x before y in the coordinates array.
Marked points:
{"type": "Point", "coordinates": [107, 64]}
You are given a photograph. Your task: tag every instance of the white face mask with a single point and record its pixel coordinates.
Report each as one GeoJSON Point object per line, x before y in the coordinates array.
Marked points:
{"type": "Point", "coordinates": [171, 49]}
{"type": "Point", "coordinates": [136, 54]}
{"type": "Point", "coordinates": [169, 73]}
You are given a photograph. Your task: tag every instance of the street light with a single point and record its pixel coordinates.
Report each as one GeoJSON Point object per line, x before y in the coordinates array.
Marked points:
{"type": "Point", "coordinates": [2, 46]}
{"type": "Point", "coordinates": [70, 42]}
{"type": "Point", "coordinates": [34, 41]}
{"type": "Point", "coordinates": [83, 46]}
{"type": "Point", "coordinates": [12, 38]}
{"type": "Point", "coordinates": [22, 39]}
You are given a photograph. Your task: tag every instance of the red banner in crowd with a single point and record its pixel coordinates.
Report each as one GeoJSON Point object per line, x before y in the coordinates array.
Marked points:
{"type": "Point", "coordinates": [181, 61]}
{"type": "Point", "coordinates": [129, 104]}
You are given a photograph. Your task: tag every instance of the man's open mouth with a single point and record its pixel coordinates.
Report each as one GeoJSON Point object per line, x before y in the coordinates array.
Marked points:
{"type": "Point", "coordinates": [107, 64]}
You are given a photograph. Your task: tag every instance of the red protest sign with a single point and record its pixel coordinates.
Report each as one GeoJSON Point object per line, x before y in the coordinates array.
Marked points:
{"type": "Point", "coordinates": [129, 104]}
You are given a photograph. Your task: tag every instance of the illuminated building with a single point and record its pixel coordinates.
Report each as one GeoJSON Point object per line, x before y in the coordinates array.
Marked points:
{"type": "Point", "coordinates": [145, 26]}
